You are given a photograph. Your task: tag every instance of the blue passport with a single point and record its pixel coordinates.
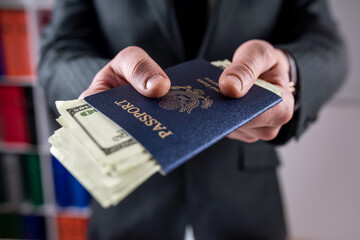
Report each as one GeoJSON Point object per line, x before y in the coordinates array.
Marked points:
{"type": "Point", "coordinates": [192, 116]}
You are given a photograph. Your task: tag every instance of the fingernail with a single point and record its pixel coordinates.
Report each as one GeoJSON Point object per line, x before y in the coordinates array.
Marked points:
{"type": "Point", "coordinates": [154, 80]}
{"type": "Point", "coordinates": [234, 81]}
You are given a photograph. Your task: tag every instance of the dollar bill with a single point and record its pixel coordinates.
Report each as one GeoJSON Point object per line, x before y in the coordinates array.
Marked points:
{"type": "Point", "coordinates": [99, 135]}
{"type": "Point", "coordinates": [106, 160]}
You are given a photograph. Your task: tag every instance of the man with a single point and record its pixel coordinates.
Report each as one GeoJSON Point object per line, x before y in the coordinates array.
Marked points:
{"type": "Point", "coordinates": [229, 191]}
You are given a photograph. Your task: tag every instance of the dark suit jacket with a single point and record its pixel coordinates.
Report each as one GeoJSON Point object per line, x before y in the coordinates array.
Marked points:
{"type": "Point", "coordinates": [85, 34]}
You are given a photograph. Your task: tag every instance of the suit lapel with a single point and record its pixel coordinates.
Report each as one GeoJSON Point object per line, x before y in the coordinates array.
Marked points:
{"type": "Point", "coordinates": [210, 29]}
{"type": "Point", "coordinates": [164, 14]}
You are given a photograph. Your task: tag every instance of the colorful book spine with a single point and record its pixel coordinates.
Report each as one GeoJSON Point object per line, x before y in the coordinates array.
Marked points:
{"type": "Point", "coordinates": [13, 180]}
{"type": "Point", "coordinates": [68, 191]}
{"type": "Point", "coordinates": [30, 112]}
{"type": "Point", "coordinates": [16, 226]}
{"type": "Point", "coordinates": [15, 40]}
{"type": "Point", "coordinates": [10, 226]}
{"type": "Point", "coordinates": [70, 227]}
{"type": "Point", "coordinates": [79, 196]}
{"type": "Point", "coordinates": [33, 227]}
{"type": "Point", "coordinates": [14, 122]}
{"type": "Point", "coordinates": [2, 66]}
{"type": "Point", "coordinates": [32, 177]}
{"type": "Point", "coordinates": [60, 175]}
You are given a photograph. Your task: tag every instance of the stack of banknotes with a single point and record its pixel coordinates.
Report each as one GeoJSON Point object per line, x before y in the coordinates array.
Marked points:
{"type": "Point", "coordinates": [108, 162]}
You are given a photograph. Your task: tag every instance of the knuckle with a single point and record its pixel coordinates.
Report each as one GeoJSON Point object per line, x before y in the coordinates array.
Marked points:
{"type": "Point", "coordinates": [284, 115]}
{"type": "Point", "coordinates": [131, 50]}
{"type": "Point", "coordinates": [266, 52]}
{"type": "Point", "coordinates": [269, 134]}
{"type": "Point", "coordinates": [138, 65]}
{"type": "Point", "coordinates": [242, 136]}
{"type": "Point", "coordinates": [250, 140]}
{"type": "Point", "coordinates": [264, 49]}
{"type": "Point", "coordinates": [287, 117]}
{"type": "Point", "coordinates": [256, 43]}
{"type": "Point", "coordinates": [246, 70]}
{"type": "Point", "coordinates": [249, 68]}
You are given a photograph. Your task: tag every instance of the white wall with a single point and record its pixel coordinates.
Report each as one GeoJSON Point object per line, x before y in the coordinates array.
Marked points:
{"type": "Point", "coordinates": [321, 173]}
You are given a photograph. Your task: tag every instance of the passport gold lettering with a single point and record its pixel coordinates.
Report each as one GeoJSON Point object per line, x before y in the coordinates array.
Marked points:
{"type": "Point", "coordinates": [127, 106]}
{"type": "Point", "coordinates": [164, 134]}
{"type": "Point", "coordinates": [144, 118]}
{"type": "Point", "coordinates": [208, 85]}
{"type": "Point", "coordinates": [138, 115]}
{"type": "Point", "coordinates": [149, 121]}
{"type": "Point", "coordinates": [211, 81]}
{"type": "Point", "coordinates": [158, 127]}
{"type": "Point", "coordinates": [133, 110]}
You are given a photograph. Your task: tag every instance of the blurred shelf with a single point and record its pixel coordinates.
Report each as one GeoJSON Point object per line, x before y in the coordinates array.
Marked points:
{"type": "Point", "coordinates": [37, 14]}
{"type": "Point", "coordinates": [74, 211]}
{"type": "Point", "coordinates": [27, 208]}
{"type": "Point", "coordinates": [24, 148]}
{"type": "Point", "coordinates": [17, 148]}
{"type": "Point", "coordinates": [52, 210]}
{"type": "Point", "coordinates": [27, 4]}
{"type": "Point", "coordinates": [24, 81]}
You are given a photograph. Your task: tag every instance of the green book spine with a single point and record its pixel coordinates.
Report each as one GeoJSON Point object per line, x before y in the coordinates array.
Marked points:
{"type": "Point", "coordinates": [32, 172]}
{"type": "Point", "coordinates": [10, 226]}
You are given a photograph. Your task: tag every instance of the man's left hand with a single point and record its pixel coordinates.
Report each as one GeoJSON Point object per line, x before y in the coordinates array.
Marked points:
{"type": "Point", "coordinates": [252, 60]}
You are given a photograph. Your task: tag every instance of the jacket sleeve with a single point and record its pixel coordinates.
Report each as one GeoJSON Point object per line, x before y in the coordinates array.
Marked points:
{"type": "Point", "coordinates": [71, 51]}
{"type": "Point", "coordinates": [307, 31]}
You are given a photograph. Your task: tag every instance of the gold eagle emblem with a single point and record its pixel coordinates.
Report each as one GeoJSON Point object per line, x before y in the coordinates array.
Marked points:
{"type": "Point", "coordinates": [185, 98]}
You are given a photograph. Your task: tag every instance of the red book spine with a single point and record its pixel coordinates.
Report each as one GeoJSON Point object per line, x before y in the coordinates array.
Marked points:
{"type": "Point", "coordinates": [13, 115]}
{"type": "Point", "coordinates": [70, 227]}
{"type": "Point", "coordinates": [15, 40]}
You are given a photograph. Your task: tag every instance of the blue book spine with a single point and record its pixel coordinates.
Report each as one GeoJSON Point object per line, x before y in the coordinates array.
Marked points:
{"type": "Point", "coordinates": [79, 195]}
{"type": "Point", "coordinates": [61, 179]}
{"type": "Point", "coordinates": [33, 227]}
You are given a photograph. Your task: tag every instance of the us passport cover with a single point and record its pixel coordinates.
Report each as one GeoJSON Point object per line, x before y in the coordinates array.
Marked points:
{"type": "Point", "coordinates": [192, 116]}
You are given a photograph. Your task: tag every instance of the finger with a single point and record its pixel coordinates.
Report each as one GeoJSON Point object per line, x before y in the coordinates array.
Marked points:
{"type": "Point", "coordinates": [279, 73]}
{"type": "Point", "coordinates": [135, 66]}
{"type": "Point", "coordinates": [104, 80]}
{"type": "Point", "coordinates": [241, 136]}
{"type": "Point", "coordinates": [263, 133]}
{"type": "Point", "coordinates": [276, 116]}
{"type": "Point", "coordinates": [249, 61]}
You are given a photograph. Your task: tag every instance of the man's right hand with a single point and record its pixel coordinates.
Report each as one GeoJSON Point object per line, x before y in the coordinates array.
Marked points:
{"type": "Point", "coordinates": [131, 65]}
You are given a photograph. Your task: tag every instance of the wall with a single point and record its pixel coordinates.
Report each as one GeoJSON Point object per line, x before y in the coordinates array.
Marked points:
{"type": "Point", "coordinates": [320, 174]}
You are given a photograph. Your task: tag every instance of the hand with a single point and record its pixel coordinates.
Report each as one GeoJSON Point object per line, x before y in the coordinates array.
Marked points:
{"type": "Point", "coordinates": [131, 65]}
{"type": "Point", "coordinates": [259, 59]}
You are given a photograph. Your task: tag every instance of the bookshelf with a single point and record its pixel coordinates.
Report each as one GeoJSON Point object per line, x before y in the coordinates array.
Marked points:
{"type": "Point", "coordinates": [39, 199]}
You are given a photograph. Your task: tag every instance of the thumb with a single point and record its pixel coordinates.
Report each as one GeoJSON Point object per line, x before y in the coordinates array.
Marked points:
{"type": "Point", "coordinates": [131, 65]}
{"type": "Point", "coordinates": [136, 67]}
{"type": "Point", "coordinates": [250, 60]}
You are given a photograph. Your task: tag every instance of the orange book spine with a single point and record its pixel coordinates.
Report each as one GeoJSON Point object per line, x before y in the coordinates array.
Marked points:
{"type": "Point", "coordinates": [15, 40]}
{"type": "Point", "coordinates": [70, 227]}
